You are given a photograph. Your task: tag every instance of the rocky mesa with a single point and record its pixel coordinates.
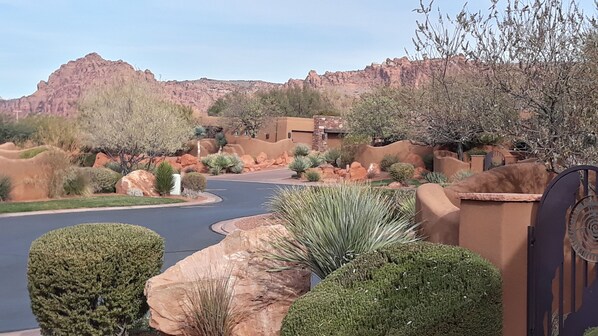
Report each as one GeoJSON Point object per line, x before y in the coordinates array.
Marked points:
{"type": "Point", "coordinates": [60, 93]}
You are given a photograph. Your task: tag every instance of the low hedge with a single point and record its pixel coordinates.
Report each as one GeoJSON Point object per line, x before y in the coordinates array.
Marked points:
{"type": "Point", "coordinates": [401, 172]}
{"type": "Point", "coordinates": [417, 289]}
{"type": "Point", "coordinates": [88, 279]}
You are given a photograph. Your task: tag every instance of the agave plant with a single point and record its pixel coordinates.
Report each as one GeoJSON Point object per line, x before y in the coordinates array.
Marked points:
{"type": "Point", "coordinates": [436, 177]}
{"type": "Point", "coordinates": [329, 226]}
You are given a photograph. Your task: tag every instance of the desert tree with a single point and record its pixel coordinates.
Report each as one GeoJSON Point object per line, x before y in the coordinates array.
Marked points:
{"type": "Point", "coordinates": [244, 112]}
{"type": "Point", "coordinates": [381, 115]}
{"type": "Point", "coordinates": [538, 53]}
{"type": "Point", "coordinates": [132, 122]}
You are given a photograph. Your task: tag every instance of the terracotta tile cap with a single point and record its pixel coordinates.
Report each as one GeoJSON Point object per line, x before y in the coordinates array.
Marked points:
{"type": "Point", "coordinates": [500, 197]}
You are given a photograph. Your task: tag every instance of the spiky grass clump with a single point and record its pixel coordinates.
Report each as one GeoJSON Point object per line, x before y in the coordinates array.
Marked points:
{"type": "Point", "coordinates": [462, 175]}
{"type": "Point", "coordinates": [312, 176]}
{"type": "Point", "coordinates": [209, 308]}
{"type": "Point", "coordinates": [329, 226]}
{"type": "Point", "coordinates": [436, 177]}
{"type": "Point", "coordinates": [300, 164]}
{"type": "Point", "coordinates": [301, 150]}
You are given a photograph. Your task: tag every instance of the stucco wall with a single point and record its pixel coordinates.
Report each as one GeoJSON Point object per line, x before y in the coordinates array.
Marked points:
{"type": "Point", "coordinates": [15, 153]}
{"type": "Point", "coordinates": [367, 154]}
{"type": "Point", "coordinates": [254, 146]}
{"type": "Point", "coordinates": [438, 216]}
{"type": "Point", "coordinates": [446, 162]}
{"type": "Point", "coordinates": [28, 177]}
{"type": "Point", "coordinates": [8, 146]}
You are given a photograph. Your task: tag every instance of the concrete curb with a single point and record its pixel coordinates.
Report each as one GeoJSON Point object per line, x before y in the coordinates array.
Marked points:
{"type": "Point", "coordinates": [30, 332]}
{"type": "Point", "coordinates": [211, 199]}
{"type": "Point", "coordinates": [228, 226]}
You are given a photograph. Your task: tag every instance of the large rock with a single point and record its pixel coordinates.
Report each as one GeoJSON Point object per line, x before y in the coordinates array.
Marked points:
{"type": "Point", "coordinates": [357, 172]}
{"type": "Point", "coordinates": [261, 157]}
{"type": "Point", "coordinates": [139, 179]}
{"type": "Point", "coordinates": [188, 160]}
{"type": "Point", "coordinates": [415, 160]}
{"type": "Point", "coordinates": [101, 160]}
{"type": "Point", "coordinates": [262, 298]}
{"type": "Point", "coordinates": [248, 161]}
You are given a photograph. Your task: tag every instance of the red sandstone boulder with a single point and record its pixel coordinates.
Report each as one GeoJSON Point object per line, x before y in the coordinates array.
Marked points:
{"type": "Point", "coordinates": [261, 157]}
{"type": "Point", "coordinates": [248, 161]}
{"type": "Point", "coordinates": [188, 160]}
{"type": "Point", "coordinates": [263, 297]}
{"type": "Point", "coordinates": [419, 172]}
{"type": "Point", "coordinates": [141, 180]}
{"type": "Point", "coordinates": [395, 185]}
{"type": "Point", "coordinates": [101, 160]}
{"type": "Point", "coordinates": [357, 172]}
{"type": "Point", "coordinates": [374, 169]}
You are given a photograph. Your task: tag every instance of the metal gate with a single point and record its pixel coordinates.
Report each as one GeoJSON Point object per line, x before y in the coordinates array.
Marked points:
{"type": "Point", "coordinates": [562, 255]}
{"type": "Point", "coordinates": [493, 159]}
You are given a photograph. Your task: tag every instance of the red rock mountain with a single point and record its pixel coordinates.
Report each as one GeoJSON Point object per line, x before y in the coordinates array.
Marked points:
{"type": "Point", "coordinates": [59, 95]}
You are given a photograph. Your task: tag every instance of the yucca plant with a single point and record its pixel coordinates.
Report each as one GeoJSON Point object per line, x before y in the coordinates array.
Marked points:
{"type": "Point", "coordinates": [436, 177]}
{"type": "Point", "coordinates": [329, 226]}
{"type": "Point", "coordinates": [209, 309]}
{"type": "Point", "coordinates": [301, 150]}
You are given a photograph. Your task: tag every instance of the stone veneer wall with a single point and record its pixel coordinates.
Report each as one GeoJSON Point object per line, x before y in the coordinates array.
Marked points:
{"type": "Point", "coordinates": [321, 124]}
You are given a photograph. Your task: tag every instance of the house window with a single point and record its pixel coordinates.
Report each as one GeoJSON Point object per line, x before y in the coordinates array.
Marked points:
{"type": "Point", "coordinates": [267, 136]}
{"type": "Point", "coordinates": [289, 135]}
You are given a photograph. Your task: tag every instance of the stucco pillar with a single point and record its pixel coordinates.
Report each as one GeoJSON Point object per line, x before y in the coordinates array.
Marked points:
{"type": "Point", "coordinates": [477, 163]}
{"type": "Point", "coordinates": [495, 226]}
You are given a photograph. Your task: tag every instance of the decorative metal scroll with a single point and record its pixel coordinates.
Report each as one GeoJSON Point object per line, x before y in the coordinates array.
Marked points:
{"type": "Point", "coordinates": [493, 159]}
{"type": "Point", "coordinates": [563, 248]}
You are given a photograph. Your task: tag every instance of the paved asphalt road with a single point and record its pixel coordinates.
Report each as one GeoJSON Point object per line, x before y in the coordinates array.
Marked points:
{"type": "Point", "coordinates": [186, 229]}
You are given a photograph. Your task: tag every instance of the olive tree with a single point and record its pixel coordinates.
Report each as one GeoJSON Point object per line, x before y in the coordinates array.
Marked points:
{"type": "Point", "coordinates": [131, 122]}
{"type": "Point", "coordinates": [539, 54]}
{"type": "Point", "coordinates": [381, 115]}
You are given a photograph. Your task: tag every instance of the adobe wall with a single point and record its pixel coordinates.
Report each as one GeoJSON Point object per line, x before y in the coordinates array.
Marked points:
{"type": "Point", "coordinates": [28, 177]}
{"type": "Point", "coordinates": [8, 146]}
{"type": "Point", "coordinates": [404, 149]}
{"type": "Point", "coordinates": [447, 163]}
{"type": "Point", "coordinates": [438, 216]}
{"type": "Point", "coordinates": [254, 147]}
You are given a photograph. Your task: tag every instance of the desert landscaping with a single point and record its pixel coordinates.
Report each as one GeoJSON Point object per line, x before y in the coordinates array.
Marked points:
{"type": "Point", "coordinates": [450, 192]}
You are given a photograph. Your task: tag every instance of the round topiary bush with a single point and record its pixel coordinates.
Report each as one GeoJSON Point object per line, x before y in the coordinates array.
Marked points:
{"type": "Point", "coordinates": [387, 161]}
{"type": "Point", "coordinates": [88, 279]}
{"type": "Point", "coordinates": [102, 180]}
{"type": "Point", "coordinates": [194, 181]}
{"type": "Point", "coordinates": [401, 172]}
{"type": "Point", "coordinates": [418, 289]}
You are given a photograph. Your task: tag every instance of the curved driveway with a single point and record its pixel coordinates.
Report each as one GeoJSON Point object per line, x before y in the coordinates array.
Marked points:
{"type": "Point", "coordinates": [186, 229]}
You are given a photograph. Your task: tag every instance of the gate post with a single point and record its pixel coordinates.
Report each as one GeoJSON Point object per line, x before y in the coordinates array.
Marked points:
{"type": "Point", "coordinates": [495, 226]}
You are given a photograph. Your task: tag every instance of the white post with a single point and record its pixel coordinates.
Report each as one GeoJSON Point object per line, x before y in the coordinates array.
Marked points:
{"type": "Point", "coordinates": [176, 189]}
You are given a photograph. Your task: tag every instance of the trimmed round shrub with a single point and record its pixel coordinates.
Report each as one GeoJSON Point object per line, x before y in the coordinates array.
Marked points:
{"type": "Point", "coordinates": [300, 164]}
{"type": "Point", "coordinates": [418, 289]}
{"type": "Point", "coordinates": [5, 188]}
{"type": "Point", "coordinates": [194, 181]}
{"type": "Point", "coordinates": [164, 178]}
{"type": "Point", "coordinates": [401, 172]}
{"type": "Point", "coordinates": [301, 150]}
{"type": "Point", "coordinates": [88, 279]}
{"type": "Point", "coordinates": [387, 161]}
{"type": "Point", "coordinates": [101, 180]}
{"type": "Point", "coordinates": [312, 176]}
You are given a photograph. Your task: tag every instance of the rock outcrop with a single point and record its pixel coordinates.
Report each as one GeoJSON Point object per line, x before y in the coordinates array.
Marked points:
{"type": "Point", "coordinates": [261, 298]}
{"type": "Point", "coordinates": [59, 95]}
{"type": "Point", "coordinates": [138, 180]}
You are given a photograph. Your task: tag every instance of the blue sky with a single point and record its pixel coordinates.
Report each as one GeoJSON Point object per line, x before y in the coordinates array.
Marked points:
{"type": "Point", "coordinates": [271, 40]}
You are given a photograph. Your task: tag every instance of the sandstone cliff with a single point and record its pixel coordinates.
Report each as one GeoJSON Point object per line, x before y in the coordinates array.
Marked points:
{"type": "Point", "coordinates": [59, 95]}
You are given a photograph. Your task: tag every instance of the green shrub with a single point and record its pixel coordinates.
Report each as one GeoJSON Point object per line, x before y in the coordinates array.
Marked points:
{"type": "Point", "coordinates": [429, 161]}
{"type": "Point", "coordinates": [58, 164]}
{"type": "Point", "coordinates": [88, 279]}
{"type": "Point", "coordinates": [591, 332]}
{"type": "Point", "coordinates": [164, 179]}
{"type": "Point", "coordinates": [301, 149]}
{"type": "Point", "coordinates": [223, 162]}
{"type": "Point", "coordinates": [312, 176]}
{"type": "Point", "coordinates": [5, 188]}
{"type": "Point", "coordinates": [387, 161]}
{"type": "Point", "coordinates": [76, 183]}
{"type": "Point", "coordinates": [300, 164]}
{"type": "Point", "coordinates": [114, 166]}
{"type": "Point", "coordinates": [33, 152]}
{"type": "Point", "coordinates": [101, 180]}
{"type": "Point", "coordinates": [488, 139]}
{"type": "Point", "coordinates": [332, 156]}
{"type": "Point", "coordinates": [477, 151]}
{"type": "Point", "coordinates": [194, 181]}
{"type": "Point", "coordinates": [401, 172]}
{"type": "Point", "coordinates": [329, 226]}
{"type": "Point", "coordinates": [436, 177]}
{"type": "Point", "coordinates": [85, 159]}
{"type": "Point", "coordinates": [316, 159]}
{"type": "Point", "coordinates": [220, 139]}
{"type": "Point", "coordinates": [461, 175]}
{"type": "Point", "coordinates": [237, 164]}
{"type": "Point", "coordinates": [403, 290]}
